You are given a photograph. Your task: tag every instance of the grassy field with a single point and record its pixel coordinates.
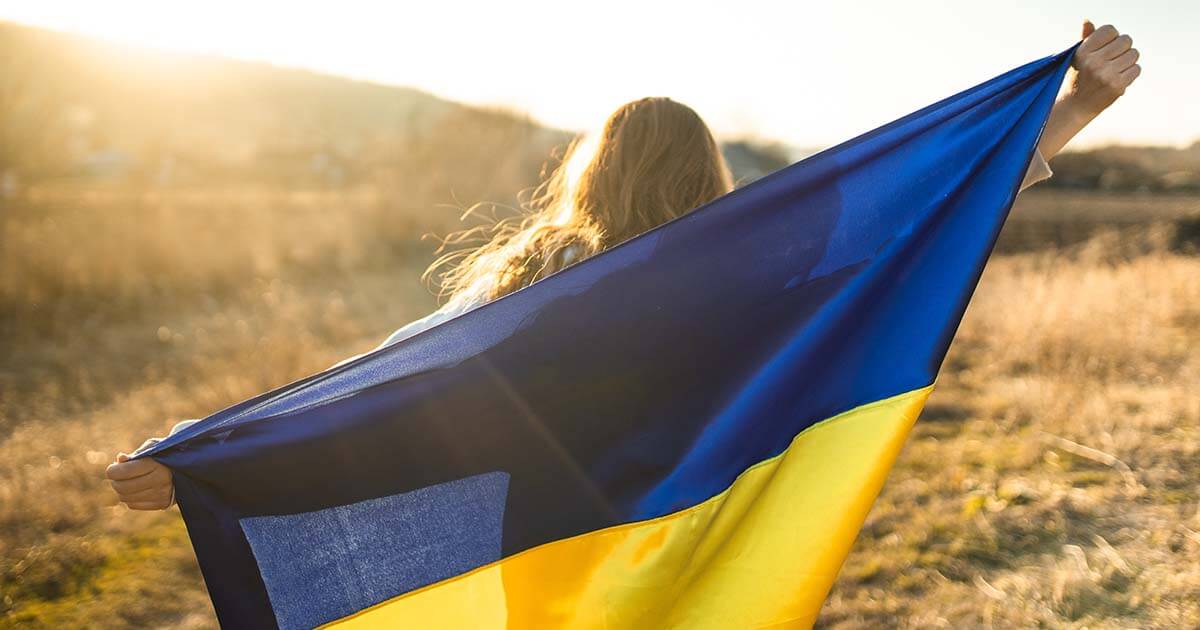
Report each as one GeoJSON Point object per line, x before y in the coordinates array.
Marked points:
{"type": "Point", "coordinates": [1053, 480]}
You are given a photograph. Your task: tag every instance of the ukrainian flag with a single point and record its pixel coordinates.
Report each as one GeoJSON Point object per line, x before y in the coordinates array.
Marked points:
{"type": "Point", "coordinates": [686, 431]}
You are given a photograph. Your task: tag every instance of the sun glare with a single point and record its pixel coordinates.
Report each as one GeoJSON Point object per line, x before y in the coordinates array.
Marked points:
{"type": "Point", "coordinates": [567, 66]}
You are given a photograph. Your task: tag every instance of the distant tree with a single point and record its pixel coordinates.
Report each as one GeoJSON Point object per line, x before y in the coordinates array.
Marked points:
{"type": "Point", "coordinates": [1126, 168]}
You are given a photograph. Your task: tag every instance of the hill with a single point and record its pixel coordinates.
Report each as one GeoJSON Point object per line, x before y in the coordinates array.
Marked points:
{"type": "Point", "coordinates": [74, 108]}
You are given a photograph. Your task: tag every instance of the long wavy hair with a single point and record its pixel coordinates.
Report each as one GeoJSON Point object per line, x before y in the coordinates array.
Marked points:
{"type": "Point", "coordinates": [653, 161]}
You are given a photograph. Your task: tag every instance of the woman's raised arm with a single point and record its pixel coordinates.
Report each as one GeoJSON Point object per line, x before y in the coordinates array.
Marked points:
{"type": "Point", "coordinates": [1106, 63]}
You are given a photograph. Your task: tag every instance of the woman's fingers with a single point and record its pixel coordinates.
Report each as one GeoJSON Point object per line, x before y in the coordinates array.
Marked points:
{"type": "Point", "coordinates": [1098, 39]}
{"type": "Point", "coordinates": [1117, 47]}
{"type": "Point", "coordinates": [159, 478]}
{"type": "Point", "coordinates": [1105, 63]}
{"type": "Point", "coordinates": [123, 468]}
{"type": "Point", "coordinates": [1127, 59]}
{"type": "Point", "coordinates": [142, 484]}
{"type": "Point", "coordinates": [1131, 73]}
{"type": "Point", "coordinates": [149, 495]}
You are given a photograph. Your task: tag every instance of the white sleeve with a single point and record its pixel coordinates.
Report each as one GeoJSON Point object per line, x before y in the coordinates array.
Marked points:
{"type": "Point", "coordinates": [420, 326]}
{"type": "Point", "coordinates": [449, 311]}
{"type": "Point", "coordinates": [1038, 171]}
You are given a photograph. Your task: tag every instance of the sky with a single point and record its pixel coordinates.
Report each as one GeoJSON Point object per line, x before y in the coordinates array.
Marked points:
{"type": "Point", "coordinates": [808, 74]}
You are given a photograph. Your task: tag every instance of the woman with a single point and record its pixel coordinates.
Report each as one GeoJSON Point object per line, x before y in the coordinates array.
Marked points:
{"type": "Point", "coordinates": [654, 160]}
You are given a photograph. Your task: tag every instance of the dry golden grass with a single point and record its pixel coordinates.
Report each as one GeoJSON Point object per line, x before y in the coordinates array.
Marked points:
{"type": "Point", "coordinates": [1051, 482]}
{"type": "Point", "coordinates": [121, 319]}
{"type": "Point", "coordinates": [1053, 479]}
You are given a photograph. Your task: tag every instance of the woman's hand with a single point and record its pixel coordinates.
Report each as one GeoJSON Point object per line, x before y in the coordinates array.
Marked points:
{"type": "Point", "coordinates": [142, 484]}
{"type": "Point", "coordinates": [1106, 63]}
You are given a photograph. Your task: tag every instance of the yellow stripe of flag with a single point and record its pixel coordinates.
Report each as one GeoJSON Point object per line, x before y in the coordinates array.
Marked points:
{"type": "Point", "coordinates": [763, 553]}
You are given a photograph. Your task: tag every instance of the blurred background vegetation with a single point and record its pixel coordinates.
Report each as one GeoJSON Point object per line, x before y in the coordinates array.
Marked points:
{"type": "Point", "coordinates": [178, 233]}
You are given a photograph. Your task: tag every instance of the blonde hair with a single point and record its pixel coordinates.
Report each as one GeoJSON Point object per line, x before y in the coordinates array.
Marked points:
{"type": "Point", "coordinates": [653, 161]}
